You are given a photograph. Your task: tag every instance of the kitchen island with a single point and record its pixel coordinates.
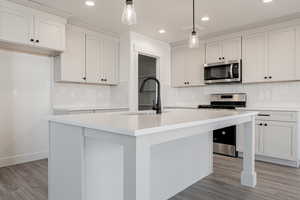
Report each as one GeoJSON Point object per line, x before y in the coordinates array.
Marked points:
{"type": "Point", "coordinates": [139, 156]}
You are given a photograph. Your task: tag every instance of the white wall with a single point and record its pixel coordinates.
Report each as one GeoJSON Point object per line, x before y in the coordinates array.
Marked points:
{"type": "Point", "coordinates": [25, 86]}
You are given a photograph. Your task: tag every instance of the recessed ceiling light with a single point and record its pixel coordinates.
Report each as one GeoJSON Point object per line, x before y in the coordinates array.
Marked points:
{"type": "Point", "coordinates": [205, 18]}
{"type": "Point", "coordinates": [162, 31]}
{"type": "Point", "coordinates": [267, 1]}
{"type": "Point", "coordinates": [90, 3]}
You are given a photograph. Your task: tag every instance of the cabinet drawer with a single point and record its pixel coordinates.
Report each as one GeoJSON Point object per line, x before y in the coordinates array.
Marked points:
{"type": "Point", "coordinates": [277, 116]}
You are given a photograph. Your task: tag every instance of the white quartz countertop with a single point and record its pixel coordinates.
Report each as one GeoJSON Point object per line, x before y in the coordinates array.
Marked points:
{"type": "Point", "coordinates": [86, 108]}
{"type": "Point", "coordinates": [258, 108]}
{"type": "Point", "coordinates": [134, 124]}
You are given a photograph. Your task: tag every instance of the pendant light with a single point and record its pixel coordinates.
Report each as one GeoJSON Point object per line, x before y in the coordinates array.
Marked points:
{"type": "Point", "coordinates": [129, 14]}
{"type": "Point", "coordinates": [194, 39]}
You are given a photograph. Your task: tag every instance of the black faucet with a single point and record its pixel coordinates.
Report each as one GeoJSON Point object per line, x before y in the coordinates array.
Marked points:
{"type": "Point", "coordinates": [157, 106]}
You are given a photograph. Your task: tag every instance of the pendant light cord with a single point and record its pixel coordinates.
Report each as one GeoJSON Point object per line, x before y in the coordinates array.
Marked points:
{"type": "Point", "coordinates": [193, 15]}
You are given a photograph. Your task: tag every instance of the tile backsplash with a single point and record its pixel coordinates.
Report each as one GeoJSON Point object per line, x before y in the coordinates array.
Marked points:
{"type": "Point", "coordinates": [281, 94]}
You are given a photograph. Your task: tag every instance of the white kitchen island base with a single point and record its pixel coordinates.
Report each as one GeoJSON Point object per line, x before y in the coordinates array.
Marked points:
{"type": "Point", "coordinates": [91, 163]}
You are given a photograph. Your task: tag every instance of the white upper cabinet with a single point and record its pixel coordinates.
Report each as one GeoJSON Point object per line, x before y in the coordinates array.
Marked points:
{"type": "Point", "coordinates": [281, 56]}
{"type": "Point", "coordinates": [298, 53]}
{"type": "Point", "coordinates": [90, 57]}
{"type": "Point", "coordinates": [70, 65]}
{"type": "Point", "coordinates": [49, 33]}
{"type": "Point", "coordinates": [20, 25]}
{"type": "Point", "coordinates": [93, 58]}
{"type": "Point", "coordinates": [15, 25]}
{"type": "Point", "coordinates": [213, 52]}
{"type": "Point", "coordinates": [187, 66]}
{"type": "Point", "coordinates": [225, 50]}
{"type": "Point", "coordinates": [254, 58]}
{"type": "Point", "coordinates": [231, 49]}
{"type": "Point", "coordinates": [110, 60]}
{"type": "Point", "coordinates": [178, 66]}
{"type": "Point", "coordinates": [270, 56]}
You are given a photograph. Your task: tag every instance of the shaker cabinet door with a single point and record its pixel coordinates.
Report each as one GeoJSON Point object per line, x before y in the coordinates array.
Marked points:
{"type": "Point", "coordinates": [93, 59]}
{"type": "Point", "coordinates": [50, 34]}
{"type": "Point", "coordinates": [281, 55]}
{"type": "Point", "coordinates": [213, 52]}
{"type": "Point", "coordinates": [110, 61]}
{"type": "Point", "coordinates": [72, 60]}
{"type": "Point", "coordinates": [254, 58]}
{"type": "Point", "coordinates": [16, 26]}
{"type": "Point", "coordinates": [231, 49]}
{"type": "Point", "coordinates": [178, 66]}
{"type": "Point", "coordinates": [279, 140]}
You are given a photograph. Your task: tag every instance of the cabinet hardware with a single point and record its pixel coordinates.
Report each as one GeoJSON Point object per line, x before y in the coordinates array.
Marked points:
{"type": "Point", "coordinates": [31, 40]}
{"type": "Point", "coordinates": [37, 41]}
{"type": "Point", "coordinates": [84, 78]}
{"type": "Point", "coordinates": [266, 77]}
{"type": "Point", "coordinates": [270, 77]}
{"type": "Point", "coordinates": [260, 124]}
{"type": "Point", "coordinates": [266, 124]}
{"type": "Point", "coordinates": [264, 115]}
{"type": "Point", "coordinates": [220, 58]}
{"type": "Point", "coordinates": [223, 58]}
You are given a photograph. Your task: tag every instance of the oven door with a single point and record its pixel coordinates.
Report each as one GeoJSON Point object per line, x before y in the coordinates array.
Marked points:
{"type": "Point", "coordinates": [225, 141]}
{"type": "Point", "coordinates": [222, 73]}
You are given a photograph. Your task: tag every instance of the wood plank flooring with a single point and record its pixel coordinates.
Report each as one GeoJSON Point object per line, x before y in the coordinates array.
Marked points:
{"type": "Point", "coordinates": [29, 182]}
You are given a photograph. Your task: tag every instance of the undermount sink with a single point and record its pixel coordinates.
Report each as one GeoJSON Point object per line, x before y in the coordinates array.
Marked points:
{"type": "Point", "coordinates": [145, 113]}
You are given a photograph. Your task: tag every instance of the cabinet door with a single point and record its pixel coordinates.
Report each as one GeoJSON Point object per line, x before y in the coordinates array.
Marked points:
{"type": "Point", "coordinates": [15, 26]}
{"type": "Point", "coordinates": [281, 59]}
{"type": "Point", "coordinates": [178, 66]}
{"type": "Point", "coordinates": [231, 49]}
{"type": "Point", "coordinates": [194, 69]}
{"type": "Point", "coordinates": [254, 58]}
{"type": "Point", "coordinates": [298, 53]}
{"type": "Point", "coordinates": [72, 65]}
{"type": "Point", "coordinates": [50, 34]}
{"type": "Point", "coordinates": [93, 58]}
{"type": "Point", "coordinates": [213, 52]}
{"type": "Point", "coordinates": [109, 69]}
{"type": "Point", "coordinates": [279, 140]}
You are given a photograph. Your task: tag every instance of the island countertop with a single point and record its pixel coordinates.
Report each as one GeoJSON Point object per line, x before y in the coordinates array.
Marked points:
{"type": "Point", "coordinates": [146, 122]}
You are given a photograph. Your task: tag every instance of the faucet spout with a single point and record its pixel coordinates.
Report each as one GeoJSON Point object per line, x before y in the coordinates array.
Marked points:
{"type": "Point", "coordinates": [157, 106]}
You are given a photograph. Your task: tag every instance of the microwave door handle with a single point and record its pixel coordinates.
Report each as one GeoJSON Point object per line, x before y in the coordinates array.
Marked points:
{"type": "Point", "coordinates": [231, 71]}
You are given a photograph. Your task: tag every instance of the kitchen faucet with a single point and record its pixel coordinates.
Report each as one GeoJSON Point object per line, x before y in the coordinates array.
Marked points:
{"type": "Point", "coordinates": [157, 105]}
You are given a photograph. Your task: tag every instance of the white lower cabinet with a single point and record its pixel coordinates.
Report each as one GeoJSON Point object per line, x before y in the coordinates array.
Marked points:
{"type": "Point", "coordinates": [275, 139]}
{"type": "Point", "coordinates": [278, 139]}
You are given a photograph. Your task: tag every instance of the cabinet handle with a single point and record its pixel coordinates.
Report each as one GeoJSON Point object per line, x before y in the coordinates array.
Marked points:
{"type": "Point", "coordinates": [84, 78]}
{"type": "Point", "coordinates": [266, 124]}
{"type": "Point", "coordinates": [264, 115]}
{"type": "Point", "coordinates": [270, 77]}
{"type": "Point", "coordinates": [223, 58]}
{"type": "Point", "coordinates": [37, 41]}
{"type": "Point", "coordinates": [266, 77]}
{"type": "Point", "coordinates": [260, 124]}
{"type": "Point", "coordinates": [31, 40]}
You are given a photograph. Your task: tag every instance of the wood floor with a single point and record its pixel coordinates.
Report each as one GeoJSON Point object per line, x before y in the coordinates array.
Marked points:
{"type": "Point", "coordinates": [29, 182]}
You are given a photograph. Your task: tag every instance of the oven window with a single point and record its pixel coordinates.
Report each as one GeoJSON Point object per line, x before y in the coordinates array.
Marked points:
{"type": "Point", "coordinates": [217, 72]}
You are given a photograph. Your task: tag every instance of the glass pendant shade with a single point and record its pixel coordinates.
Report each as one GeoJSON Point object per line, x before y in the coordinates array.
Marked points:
{"type": "Point", "coordinates": [129, 14]}
{"type": "Point", "coordinates": [194, 40]}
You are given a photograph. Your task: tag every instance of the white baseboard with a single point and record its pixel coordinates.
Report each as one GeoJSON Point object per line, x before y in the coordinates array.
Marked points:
{"type": "Point", "coordinates": [23, 158]}
{"type": "Point", "coordinates": [277, 161]}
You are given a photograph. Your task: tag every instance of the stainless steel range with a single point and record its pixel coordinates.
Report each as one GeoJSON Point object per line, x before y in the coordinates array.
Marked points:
{"type": "Point", "coordinates": [225, 139]}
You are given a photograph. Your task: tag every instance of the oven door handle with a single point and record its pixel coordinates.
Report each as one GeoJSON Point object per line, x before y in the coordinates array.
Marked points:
{"type": "Point", "coordinates": [231, 71]}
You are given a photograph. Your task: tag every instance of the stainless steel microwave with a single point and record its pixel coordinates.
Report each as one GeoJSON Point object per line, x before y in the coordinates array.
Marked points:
{"type": "Point", "coordinates": [225, 72]}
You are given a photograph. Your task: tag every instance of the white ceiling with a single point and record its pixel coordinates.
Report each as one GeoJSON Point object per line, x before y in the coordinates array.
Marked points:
{"type": "Point", "coordinates": [175, 16]}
